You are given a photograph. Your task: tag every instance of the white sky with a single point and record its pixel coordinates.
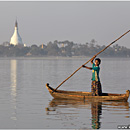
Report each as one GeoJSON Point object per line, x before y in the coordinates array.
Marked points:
{"type": "Point", "coordinates": [80, 22]}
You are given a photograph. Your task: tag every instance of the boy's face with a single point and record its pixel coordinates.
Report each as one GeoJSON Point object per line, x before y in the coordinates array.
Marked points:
{"type": "Point", "coordinates": [96, 62]}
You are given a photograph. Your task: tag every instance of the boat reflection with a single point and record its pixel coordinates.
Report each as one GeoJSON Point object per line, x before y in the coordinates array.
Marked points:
{"type": "Point", "coordinates": [94, 106]}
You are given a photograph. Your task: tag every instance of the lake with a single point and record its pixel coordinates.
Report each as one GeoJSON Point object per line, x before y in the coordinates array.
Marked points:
{"type": "Point", "coordinates": [25, 103]}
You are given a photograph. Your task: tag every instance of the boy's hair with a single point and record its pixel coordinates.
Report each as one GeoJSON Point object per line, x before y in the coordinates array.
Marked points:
{"type": "Point", "coordinates": [99, 60]}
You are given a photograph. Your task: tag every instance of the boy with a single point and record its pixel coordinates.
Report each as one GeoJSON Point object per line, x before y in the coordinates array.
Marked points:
{"type": "Point", "coordinates": [96, 85]}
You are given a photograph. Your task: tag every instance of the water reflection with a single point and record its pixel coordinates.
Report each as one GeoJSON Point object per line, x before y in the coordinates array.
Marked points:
{"type": "Point", "coordinates": [96, 111]}
{"type": "Point", "coordinates": [13, 88]}
{"type": "Point", "coordinates": [96, 108]}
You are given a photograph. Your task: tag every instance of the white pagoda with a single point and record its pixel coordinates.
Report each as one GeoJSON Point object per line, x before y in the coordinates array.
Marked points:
{"type": "Point", "coordinates": [16, 39]}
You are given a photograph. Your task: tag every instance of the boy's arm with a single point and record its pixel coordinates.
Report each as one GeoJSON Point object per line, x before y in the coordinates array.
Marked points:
{"type": "Point", "coordinates": [93, 59]}
{"type": "Point", "coordinates": [90, 68]}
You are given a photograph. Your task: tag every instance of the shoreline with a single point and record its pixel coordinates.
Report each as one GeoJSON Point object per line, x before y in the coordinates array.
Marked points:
{"type": "Point", "coordinates": [58, 57]}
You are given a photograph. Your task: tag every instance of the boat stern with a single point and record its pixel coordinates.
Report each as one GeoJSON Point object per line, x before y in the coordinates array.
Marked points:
{"type": "Point", "coordinates": [127, 93]}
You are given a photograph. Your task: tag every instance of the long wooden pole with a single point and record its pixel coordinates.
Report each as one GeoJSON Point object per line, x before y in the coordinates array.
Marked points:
{"type": "Point", "coordinates": [91, 58]}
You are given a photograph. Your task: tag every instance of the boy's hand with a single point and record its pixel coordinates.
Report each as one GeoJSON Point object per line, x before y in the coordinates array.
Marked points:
{"type": "Point", "coordinates": [93, 59]}
{"type": "Point", "coordinates": [83, 66]}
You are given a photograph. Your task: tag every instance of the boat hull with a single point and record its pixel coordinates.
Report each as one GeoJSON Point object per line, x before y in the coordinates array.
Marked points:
{"type": "Point", "coordinates": [77, 95]}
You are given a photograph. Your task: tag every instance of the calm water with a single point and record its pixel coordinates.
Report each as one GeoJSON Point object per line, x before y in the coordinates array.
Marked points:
{"type": "Point", "coordinates": [26, 103]}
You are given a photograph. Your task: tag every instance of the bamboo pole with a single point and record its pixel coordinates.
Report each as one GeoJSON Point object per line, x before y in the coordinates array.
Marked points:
{"type": "Point", "coordinates": [92, 58]}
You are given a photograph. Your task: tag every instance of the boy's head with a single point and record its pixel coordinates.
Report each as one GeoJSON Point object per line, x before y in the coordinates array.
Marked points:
{"type": "Point", "coordinates": [97, 61]}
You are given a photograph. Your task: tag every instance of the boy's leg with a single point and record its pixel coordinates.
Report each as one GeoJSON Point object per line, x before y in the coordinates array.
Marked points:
{"type": "Point", "coordinates": [93, 88]}
{"type": "Point", "coordinates": [98, 89]}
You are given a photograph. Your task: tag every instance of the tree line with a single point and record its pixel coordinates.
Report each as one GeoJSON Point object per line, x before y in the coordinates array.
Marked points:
{"type": "Point", "coordinates": [65, 49]}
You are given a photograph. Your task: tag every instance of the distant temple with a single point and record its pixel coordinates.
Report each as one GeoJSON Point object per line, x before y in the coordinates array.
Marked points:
{"type": "Point", "coordinates": [16, 39]}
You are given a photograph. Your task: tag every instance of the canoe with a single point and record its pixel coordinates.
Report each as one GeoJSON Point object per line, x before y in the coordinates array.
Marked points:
{"type": "Point", "coordinates": [85, 96]}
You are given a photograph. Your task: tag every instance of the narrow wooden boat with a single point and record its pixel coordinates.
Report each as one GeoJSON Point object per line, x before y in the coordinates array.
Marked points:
{"type": "Point", "coordinates": [78, 95]}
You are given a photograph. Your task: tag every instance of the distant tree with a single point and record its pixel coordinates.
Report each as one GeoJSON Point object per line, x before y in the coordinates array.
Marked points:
{"type": "Point", "coordinates": [64, 48]}
{"type": "Point", "coordinates": [34, 50]}
{"type": "Point", "coordinates": [52, 49]}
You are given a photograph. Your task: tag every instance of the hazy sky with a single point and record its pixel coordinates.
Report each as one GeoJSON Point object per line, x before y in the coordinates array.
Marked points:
{"type": "Point", "coordinates": [80, 22]}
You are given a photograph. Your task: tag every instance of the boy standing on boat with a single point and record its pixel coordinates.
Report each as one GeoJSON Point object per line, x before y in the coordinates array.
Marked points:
{"type": "Point", "coordinates": [96, 85]}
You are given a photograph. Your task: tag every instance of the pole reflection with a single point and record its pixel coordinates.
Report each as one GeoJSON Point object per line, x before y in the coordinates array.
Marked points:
{"type": "Point", "coordinates": [13, 86]}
